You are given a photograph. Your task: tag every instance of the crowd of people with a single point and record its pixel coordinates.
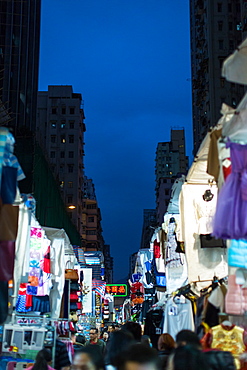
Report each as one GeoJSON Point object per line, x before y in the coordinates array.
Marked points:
{"type": "Point", "coordinates": [126, 348]}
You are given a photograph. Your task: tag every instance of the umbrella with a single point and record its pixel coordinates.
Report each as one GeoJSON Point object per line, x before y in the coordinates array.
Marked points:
{"type": "Point", "coordinates": [235, 66]}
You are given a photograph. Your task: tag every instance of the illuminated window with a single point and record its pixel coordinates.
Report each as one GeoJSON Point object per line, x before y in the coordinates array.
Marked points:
{"type": "Point", "coordinates": [63, 124]}
{"type": "Point", "coordinates": [70, 184]}
{"type": "Point", "coordinates": [63, 139]}
{"type": "Point", "coordinates": [61, 184]}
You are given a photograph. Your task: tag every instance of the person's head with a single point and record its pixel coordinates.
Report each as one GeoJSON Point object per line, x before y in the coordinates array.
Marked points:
{"type": "Point", "coordinates": [134, 328]}
{"type": "Point", "coordinates": [145, 339]}
{"type": "Point", "coordinates": [140, 357]}
{"type": "Point", "coordinates": [105, 336]}
{"type": "Point", "coordinates": [43, 359]}
{"type": "Point", "coordinates": [110, 328]}
{"type": "Point", "coordinates": [80, 339]}
{"type": "Point", "coordinates": [93, 334]}
{"type": "Point", "coordinates": [166, 342]}
{"type": "Point", "coordinates": [187, 337]}
{"type": "Point", "coordinates": [88, 358]}
{"type": "Point", "coordinates": [119, 342]}
{"type": "Point", "coordinates": [187, 358]}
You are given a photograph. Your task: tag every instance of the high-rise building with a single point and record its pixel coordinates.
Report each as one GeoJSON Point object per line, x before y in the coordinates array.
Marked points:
{"type": "Point", "coordinates": [60, 132]}
{"type": "Point", "coordinates": [170, 162]}
{"type": "Point", "coordinates": [216, 31]}
{"type": "Point", "coordinates": [148, 226]}
{"type": "Point", "coordinates": [19, 61]}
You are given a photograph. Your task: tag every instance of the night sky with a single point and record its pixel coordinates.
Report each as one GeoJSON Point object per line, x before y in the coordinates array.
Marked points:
{"type": "Point", "coordinates": [130, 59]}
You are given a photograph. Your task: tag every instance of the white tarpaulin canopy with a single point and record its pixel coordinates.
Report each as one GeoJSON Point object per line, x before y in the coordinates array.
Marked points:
{"type": "Point", "coordinates": [235, 66]}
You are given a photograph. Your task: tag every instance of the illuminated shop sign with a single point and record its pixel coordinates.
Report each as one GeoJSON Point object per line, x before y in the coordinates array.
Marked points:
{"type": "Point", "coordinates": [118, 290]}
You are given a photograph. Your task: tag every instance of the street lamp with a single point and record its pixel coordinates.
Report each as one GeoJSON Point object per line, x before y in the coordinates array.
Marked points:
{"type": "Point", "coordinates": [71, 207]}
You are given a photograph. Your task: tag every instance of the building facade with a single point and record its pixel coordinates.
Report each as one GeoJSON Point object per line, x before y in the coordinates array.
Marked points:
{"type": "Point", "coordinates": [19, 61]}
{"type": "Point", "coordinates": [148, 226]}
{"type": "Point", "coordinates": [216, 31]}
{"type": "Point", "coordinates": [170, 162]}
{"type": "Point", "coordinates": [60, 132]}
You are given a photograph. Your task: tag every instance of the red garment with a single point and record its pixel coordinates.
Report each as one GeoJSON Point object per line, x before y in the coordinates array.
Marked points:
{"type": "Point", "coordinates": [227, 170]}
{"type": "Point", "coordinates": [47, 261]}
{"type": "Point", "coordinates": [157, 253]}
{"type": "Point", "coordinates": [29, 301]}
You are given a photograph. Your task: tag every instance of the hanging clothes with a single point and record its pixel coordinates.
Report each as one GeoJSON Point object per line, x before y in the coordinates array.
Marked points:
{"type": "Point", "coordinates": [232, 200]}
{"type": "Point", "coordinates": [178, 315]}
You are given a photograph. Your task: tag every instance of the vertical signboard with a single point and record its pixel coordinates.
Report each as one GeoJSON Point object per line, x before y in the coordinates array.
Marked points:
{"type": "Point", "coordinates": [87, 289]}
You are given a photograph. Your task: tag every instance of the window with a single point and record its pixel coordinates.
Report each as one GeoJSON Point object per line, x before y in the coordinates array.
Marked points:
{"type": "Point", "coordinates": [231, 44]}
{"type": "Point", "coordinates": [71, 154]}
{"type": "Point", "coordinates": [91, 219]}
{"type": "Point", "coordinates": [166, 191]}
{"type": "Point", "coordinates": [71, 139]}
{"type": "Point", "coordinates": [219, 7]}
{"type": "Point", "coordinates": [220, 25]}
{"type": "Point", "coordinates": [53, 110]}
{"type": "Point", "coordinates": [53, 138]}
{"type": "Point", "coordinates": [234, 103]}
{"type": "Point", "coordinates": [71, 110]}
{"type": "Point", "coordinates": [221, 61]}
{"type": "Point", "coordinates": [70, 184]}
{"type": "Point", "coordinates": [63, 124]}
{"type": "Point", "coordinates": [52, 154]}
{"type": "Point", "coordinates": [61, 183]}
{"type": "Point", "coordinates": [71, 124]}
{"type": "Point", "coordinates": [221, 44]}
{"type": "Point", "coordinates": [62, 154]}
{"type": "Point", "coordinates": [239, 26]}
{"type": "Point", "coordinates": [222, 82]}
{"type": "Point", "coordinates": [70, 199]}
{"type": "Point", "coordinates": [70, 168]}
{"type": "Point", "coordinates": [229, 7]}
{"type": "Point", "coordinates": [53, 124]}
{"type": "Point", "coordinates": [91, 206]}
{"type": "Point", "coordinates": [91, 232]}
{"type": "Point", "coordinates": [53, 168]}
{"type": "Point", "coordinates": [238, 8]}
{"type": "Point", "coordinates": [61, 169]}
{"type": "Point", "coordinates": [230, 26]}
{"type": "Point", "coordinates": [63, 110]}
{"type": "Point", "coordinates": [63, 139]}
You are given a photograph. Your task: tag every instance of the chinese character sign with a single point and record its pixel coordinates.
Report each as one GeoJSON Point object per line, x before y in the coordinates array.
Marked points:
{"type": "Point", "coordinates": [118, 290]}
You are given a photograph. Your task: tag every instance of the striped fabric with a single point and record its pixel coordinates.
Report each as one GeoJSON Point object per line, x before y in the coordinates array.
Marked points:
{"type": "Point", "coordinates": [99, 287]}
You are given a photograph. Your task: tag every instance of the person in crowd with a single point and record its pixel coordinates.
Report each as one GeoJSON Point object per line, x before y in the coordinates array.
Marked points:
{"type": "Point", "coordinates": [166, 345]}
{"type": "Point", "coordinates": [119, 342]}
{"type": "Point", "coordinates": [88, 358]}
{"type": "Point", "coordinates": [94, 340]}
{"type": "Point", "coordinates": [78, 340]}
{"type": "Point", "coordinates": [145, 339]}
{"type": "Point", "coordinates": [134, 328]}
{"type": "Point", "coordinates": [188, 337]}
{"type": "Point", "coordinates": [42, 361]}
{"type": "Point", "coordinates": [217, 360]}
{"type": "Point", "coordinates": [186, 357]}
{"type": "Point", "coordinates": [62, 361]}
{"type": "Point", "coordinates": [105, 336]}
{"type": "Point", "coordinates": [140, 357]}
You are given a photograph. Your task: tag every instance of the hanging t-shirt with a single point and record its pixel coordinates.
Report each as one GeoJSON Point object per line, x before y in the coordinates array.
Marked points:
{"type": "Point", "coordinates": [178, 316]}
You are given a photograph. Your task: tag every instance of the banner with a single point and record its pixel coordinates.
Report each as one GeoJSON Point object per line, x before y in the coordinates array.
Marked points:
{"type": "Point", "coordinates": [87, 289]}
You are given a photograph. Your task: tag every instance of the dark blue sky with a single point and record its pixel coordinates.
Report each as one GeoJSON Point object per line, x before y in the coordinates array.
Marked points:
{"type": "Point", "coordinates": [130, 59]}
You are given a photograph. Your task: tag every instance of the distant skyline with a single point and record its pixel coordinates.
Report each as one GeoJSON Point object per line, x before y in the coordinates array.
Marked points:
{"type": "Point", "coordinates": [130, 60]}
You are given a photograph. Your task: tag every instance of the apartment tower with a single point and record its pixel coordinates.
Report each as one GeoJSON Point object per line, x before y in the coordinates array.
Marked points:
{"type": "Point", "coordinates": [216, 31]}
{"type": "Point", "coordinates": [60, 132]}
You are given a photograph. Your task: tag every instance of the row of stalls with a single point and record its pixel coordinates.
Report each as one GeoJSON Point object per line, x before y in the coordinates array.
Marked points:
{"type": "Point", "coordinates": [194, 275]}
{"type": "Point", "coordinates": [46, 284]}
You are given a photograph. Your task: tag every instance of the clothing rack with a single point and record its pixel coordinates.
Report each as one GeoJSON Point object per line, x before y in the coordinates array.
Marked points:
{"type": "Point", "coordinates": [28, 334]}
